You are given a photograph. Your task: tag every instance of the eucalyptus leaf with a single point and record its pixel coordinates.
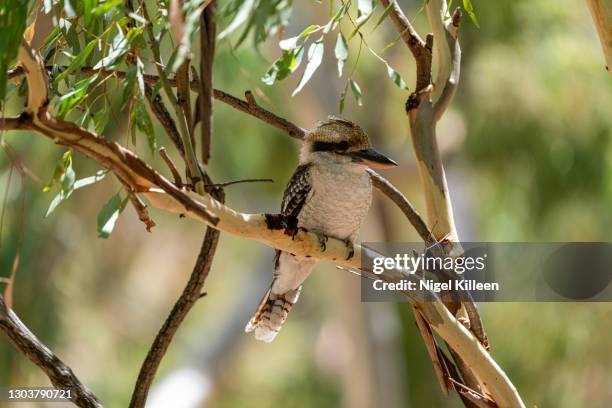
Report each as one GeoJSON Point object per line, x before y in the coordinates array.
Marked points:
{"type": "Point", "coordinates": [291, 43]}
{"type": "Point", "coordinates": [341, 51]}
{"type": "Point", "coordinates": [356, 92]}
{"type": "Point", "coordinates": [365, 7]}
{"type": "Point", "coordinates": [13, 14]}
{"type": "Point", "coordinates": [118, 48]}
{"type": "Point", "coordinates": [396, 78]}
{"type": "Point", "coordinates": [78, 61]}
{"type": "Point", "coordinates": [109, 214]}
{"type": "Point", "coordinates": [315, 56]}
{"type": "Point", "coordinates": [469, 9]}
{"type": "Point", "coordinates": [241, 17]}
{"type": "Point", "coordinates": [285, 65]}
{"type": "Point", "coordinates": [385, 14]}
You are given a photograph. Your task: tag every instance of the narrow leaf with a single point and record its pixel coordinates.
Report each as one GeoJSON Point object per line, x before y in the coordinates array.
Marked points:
{"type": "Point", "coordinates": [108, 215]}
{"type": "Point", "coordinates": [365, 7]}
{"type": "Point", "coordinates": [360, 23]}
{"type": "Point", "coordinates": [13, 14]}
{"type": "Point", "coordinates": [385, 13]}
{"type": "Point", "coordinates": [469, 9]}
{"type": "Point", "coordinates": [341, 51]}
{"type": "Point", "coordinates": [291, 43]}
{"type": "Point", "coordinates": [356, 92]}
{"type": "Point", "coordinates": [118, 48]}
{"type": "Point", "coordinates": [396, 78]}
{"type": "Point", "coordinates": [78, 61]}
{"type": "Point", "coordinates": [315, 56]}
{"type": "Point", "coordinates": [241, 16]}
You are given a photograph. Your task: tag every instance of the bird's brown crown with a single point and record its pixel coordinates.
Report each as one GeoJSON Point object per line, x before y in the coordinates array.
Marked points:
{"type": "Point", "coordinates": [336, 130]}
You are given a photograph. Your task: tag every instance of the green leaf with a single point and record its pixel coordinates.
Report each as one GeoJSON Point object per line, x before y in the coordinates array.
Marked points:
{"type": "Point", "coordinates": [86, 181]}
{"type": "Point", "coordinates": [64, 176]}
{"type": "Point", "coordinates": [78, 61]}
{"type": "Point", "coordinates": [63, 195]}
{"type": "Point", "coordinates": [106, 6]}
{"type": "Point", "coordinates": [100, 119]}
{"type": "Point", "coordinates": [128, 85]}
{"type": "Point", "coordinates": [365, 7]}
{"type": "Point", "coordinates": [356, 92]}
{"type": "Point", "coordinates": [385, 14]}
{"type": "Point", "coordinates": [341, 51]}
{"type": "Point", "coordinates": [118, 48]}
{"type": "Point", "coordinates": [108, 215]}
{"type": "Point", "coordinates": [342, 99]}
{"type": "Point", "coordinates": [241, 16]}
{"type": "Point", "coordinates": [285, 65]}
{"type": "Point", "coordinates": [395, 77]}
{"type": "Point", "coordinates": [140, 119]}
{"type": "Point", "coordinates": [469, 9]}
{"type": "Point", "coordinates": [360, 23]}
{"type": "Point", "coordinates": [13, 14]}
{"type": "Point", "coordinates": [58, 171]}
{"type": "Point", "coordinates": [68, 101]}
{"type": "Point", "coordinates": [291, 43]}
{"type": "Point", "coordinates": [315, 56]}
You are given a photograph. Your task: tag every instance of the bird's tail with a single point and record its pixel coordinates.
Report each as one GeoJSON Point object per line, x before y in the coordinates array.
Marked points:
{"type": "Point", "coordinates": [272, 313]}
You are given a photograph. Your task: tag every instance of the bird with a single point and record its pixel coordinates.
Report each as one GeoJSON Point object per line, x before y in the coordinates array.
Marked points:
{"type": "Point", "coordinates": [329, 194]}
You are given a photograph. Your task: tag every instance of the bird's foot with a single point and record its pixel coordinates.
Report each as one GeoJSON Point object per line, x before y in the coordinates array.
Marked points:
{"type": "Point", "coordinates": [350, 249]}
{"type": "Point", "coordinates": [322, 238]}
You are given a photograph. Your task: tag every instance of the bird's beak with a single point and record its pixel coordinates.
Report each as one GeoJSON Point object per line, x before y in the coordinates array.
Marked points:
{"type": "Point", "coordinates": [371, 158]}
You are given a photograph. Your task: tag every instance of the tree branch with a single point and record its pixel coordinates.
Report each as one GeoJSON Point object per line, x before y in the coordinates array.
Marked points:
{"type": "Point", "coordinates": [60, 375]}
{"type": "Point", "coordinates": [208, 29]}
{"type": "Point", "coordinates": [162, 114]}
{"type": "Point", "coordinates": [601, 11]}
{"type": "Point", "coordinates": [448, 51]}
{"type": "Point", "coordinates": [260, 227]}
{"type": "Point", "coordinates": [421, 50]}
{"type": "Point", "coordinates": [190, 295]}
{"type": "Point", "coordinates": [403, 204]}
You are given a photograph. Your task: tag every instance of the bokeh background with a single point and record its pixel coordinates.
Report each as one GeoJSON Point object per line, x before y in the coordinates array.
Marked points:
{"type": "Point", "coordinates": [528, 153]}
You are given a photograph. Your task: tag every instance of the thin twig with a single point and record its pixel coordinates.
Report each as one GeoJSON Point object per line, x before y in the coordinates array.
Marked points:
{"type": "Point", "coordinates": [17, 161]}
{"type": "Point", "coordinates": [252, 109]}
{"type": "Point", "coordinates": [208, 29]}
{"type": "Point", "coordinates": [404, 205]}
{"type": "Point", "coordinates": [60, 375]}
{"type": "Point", "coordinates": [175, 173]}
{"type": "Point", "coordinates": [432, 350]}
{"type": "Point", "coordinates": [252, 180]}
{"type": "Point", "coordinates": [164, 118]}
{"type": "Point", "coordinates": [190, 295]}
{"type": "Point", "coordinates": [141, 210]}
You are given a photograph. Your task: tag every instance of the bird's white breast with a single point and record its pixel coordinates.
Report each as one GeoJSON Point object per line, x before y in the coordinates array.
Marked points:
{"type": "Point", "coordinates": [339, 200]}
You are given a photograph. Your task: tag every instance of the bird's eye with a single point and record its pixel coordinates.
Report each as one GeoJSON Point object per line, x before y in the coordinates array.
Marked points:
{"type": "Point", "coordinates": [343, 145]}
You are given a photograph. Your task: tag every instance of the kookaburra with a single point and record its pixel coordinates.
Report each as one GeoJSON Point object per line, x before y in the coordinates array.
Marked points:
{"type": "Point", "coordinates": [329, 193]}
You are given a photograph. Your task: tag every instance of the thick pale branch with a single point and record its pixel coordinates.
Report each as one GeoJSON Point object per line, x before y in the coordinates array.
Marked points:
{"type": "Point", "coordinates": [60, 375]}
{"type": "Point", "coordinates": [448, 52]}
{"type": "Point", "coordinates": [601, 10]}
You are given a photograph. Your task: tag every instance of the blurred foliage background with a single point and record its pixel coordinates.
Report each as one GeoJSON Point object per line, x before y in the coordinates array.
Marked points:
{"type": "Point", "coordinates": [528, 154]}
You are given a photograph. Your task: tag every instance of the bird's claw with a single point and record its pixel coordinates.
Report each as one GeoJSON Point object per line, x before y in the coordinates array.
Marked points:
{"type": "Point", "coordinates": [322, 238]}
{"type": "Point", "coordinates": [350, 249]}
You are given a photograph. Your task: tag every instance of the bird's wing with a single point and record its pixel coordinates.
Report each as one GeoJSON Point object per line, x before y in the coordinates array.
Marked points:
{"type": "Point", "coordinates": [297, 191]}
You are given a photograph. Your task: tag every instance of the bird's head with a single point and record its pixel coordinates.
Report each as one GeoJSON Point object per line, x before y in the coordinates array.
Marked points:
{"type": "Point", "coordinates": [339, 141]}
